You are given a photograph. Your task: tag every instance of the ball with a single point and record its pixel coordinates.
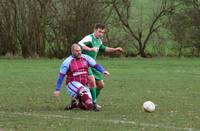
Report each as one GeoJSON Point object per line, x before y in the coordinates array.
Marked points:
{"type": "Point", "coordinates": [149, 106]}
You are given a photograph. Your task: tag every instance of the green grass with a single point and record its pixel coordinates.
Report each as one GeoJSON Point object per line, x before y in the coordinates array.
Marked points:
{"type": "Point", "coordinates": [26, 102]}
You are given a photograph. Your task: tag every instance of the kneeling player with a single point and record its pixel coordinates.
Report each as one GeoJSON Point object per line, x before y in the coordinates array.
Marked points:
{"type": "Point", "coordinates": [75, 67]}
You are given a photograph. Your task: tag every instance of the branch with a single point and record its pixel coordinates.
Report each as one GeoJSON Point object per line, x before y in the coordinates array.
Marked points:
{"type": "Point", "coordinates": [125, 23]}
{"type": "Point", "coordinates": [163, 11]}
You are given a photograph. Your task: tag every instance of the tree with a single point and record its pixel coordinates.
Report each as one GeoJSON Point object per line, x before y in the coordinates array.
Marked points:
{"type": "Point", "coordinates": [185, 26]}
{"type": "Point", "coordinates": [8, 28]}
{"type": "Point", "coordinates": [140, 31]}
{"type": "Point", "coordinates": [72, 19]}
{"type": "Point", "coordinates": [34, 28]}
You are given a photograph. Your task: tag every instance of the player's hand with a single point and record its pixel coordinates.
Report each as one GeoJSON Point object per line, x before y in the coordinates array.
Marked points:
{"type": "Point", "coordinates": [94, 49]}
{"type": "Point", "coordinates": [118, 49]}
{"type": "Point", "coordinates": [56, 93]}
{"type": "Point", "coordinates": [106, 73]}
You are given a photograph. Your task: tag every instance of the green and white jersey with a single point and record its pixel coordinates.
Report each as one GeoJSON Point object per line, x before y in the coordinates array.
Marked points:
{"type": "Point", "coordinates": [90, 41]}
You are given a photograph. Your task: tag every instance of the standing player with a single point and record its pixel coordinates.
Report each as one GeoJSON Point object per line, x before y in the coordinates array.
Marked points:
{"type": "Point", "coordinates": [91, 45]}
{"type": "Point", "coordinates": [76, 68]}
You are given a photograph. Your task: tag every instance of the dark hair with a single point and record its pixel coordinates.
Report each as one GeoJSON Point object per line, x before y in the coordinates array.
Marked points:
{"type": "Point", "coordinates": [99, 26]}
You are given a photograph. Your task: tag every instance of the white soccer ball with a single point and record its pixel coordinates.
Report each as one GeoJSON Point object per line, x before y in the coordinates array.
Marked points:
{"type": "Point", "coordinates": [149, 106]}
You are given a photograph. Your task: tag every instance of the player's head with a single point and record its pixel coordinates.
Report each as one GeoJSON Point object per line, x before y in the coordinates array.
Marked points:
{"type": "Point", "coordinates": [99, 30]}
{"type": "Point", "coordinates": [76, 51]}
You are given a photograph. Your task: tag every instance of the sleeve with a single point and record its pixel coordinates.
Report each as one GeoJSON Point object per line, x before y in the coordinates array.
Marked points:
{"type": "Point", "coordinates": [102, 48]}
{"type": "Point", "coordinates": [85, 41]}
{"type": "Point", "coordinates": [90, 60]}
{"type": "Point", "coordinates": [99, 68]}
{"type": "Point", "coordinates": [65, 65]}
{"type": "Point", "coordinates": [59, 81]}
{"type": "Point", "coordinates": [63, 70]}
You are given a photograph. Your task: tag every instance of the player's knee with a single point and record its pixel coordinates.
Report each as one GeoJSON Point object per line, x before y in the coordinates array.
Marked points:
{"type": "Point", "coordinates": [87, 101]}
{"type": "Point", "coordinates": [100, 84]}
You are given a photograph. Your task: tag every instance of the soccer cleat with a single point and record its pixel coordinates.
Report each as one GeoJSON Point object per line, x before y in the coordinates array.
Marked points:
{"type": "Point", "coordinates": [95, 108]}
{"type": "Point", "coordinates": [72, 105]}
{"type": "Point", "coordinates": [98, 106]}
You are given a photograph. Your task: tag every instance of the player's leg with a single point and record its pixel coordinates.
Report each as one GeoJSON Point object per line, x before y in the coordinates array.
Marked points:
{"type": "Point", "coordinates": [92, 84]}
{"type": "Point", "coordinates": [100, 86]}
{"type": "Point", "coordinates": [81, 96]}
{"type": "Point", "coordinates": [72, 92]}
{"type": "Point", "coordinates": [86, 98]}
{"type": "Point", "coordinates": [99, 81]}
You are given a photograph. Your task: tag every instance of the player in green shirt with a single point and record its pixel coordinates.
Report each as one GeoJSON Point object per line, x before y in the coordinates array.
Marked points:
{"type": "Point", "coordinates": [91, 45]}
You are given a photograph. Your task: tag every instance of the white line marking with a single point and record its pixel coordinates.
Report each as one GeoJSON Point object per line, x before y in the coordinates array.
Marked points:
{"type": "Point", "coordinates": [106, 121]}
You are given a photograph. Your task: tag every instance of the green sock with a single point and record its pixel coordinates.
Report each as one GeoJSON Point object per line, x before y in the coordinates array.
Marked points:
{"type": "Point", "coordinates": [97, 92]}
{"type": "Point", "coordinates": [93, 93]}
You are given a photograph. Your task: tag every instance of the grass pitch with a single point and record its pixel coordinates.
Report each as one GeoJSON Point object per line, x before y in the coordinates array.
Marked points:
{"type": "Point", "coordinates": [26, 102]}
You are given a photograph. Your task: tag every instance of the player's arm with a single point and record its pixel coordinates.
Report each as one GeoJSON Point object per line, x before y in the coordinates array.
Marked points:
{"type": "Point", "coordinates": [58, 84]}
{"type": "Point", "coordinates": [111, 50]}
{"type": "Point", "coordinates": [104, 48]}
{"type": "Point", "coordinates": [101, 69]}
{"type": "Point", "coordinates": [63, 69]}
{"type": "Point", "coordinates": [84, 42]}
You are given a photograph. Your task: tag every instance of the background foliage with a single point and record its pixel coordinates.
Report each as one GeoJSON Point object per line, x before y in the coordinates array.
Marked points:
{"type": "Point", "coordinates": [47, 28]}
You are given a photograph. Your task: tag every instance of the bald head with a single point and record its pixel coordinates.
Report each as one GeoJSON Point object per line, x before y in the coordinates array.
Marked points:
{"type": "Point", "coordinates": [76, 51]}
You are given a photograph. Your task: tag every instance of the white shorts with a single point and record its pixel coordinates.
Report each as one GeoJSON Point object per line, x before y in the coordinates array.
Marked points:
{"type": "Point", "coordinates": [74, 87]}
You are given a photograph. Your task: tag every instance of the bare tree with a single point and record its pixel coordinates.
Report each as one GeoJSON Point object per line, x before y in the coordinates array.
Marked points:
{"type": "Point", "coordinates": [68, 21]}
{"type": "Point", "coordinates": [8, 41]}
{"type": "Point", "coordinates": [141, 34]}
{"type": "Point", "coordinates": [35, 28]}
{"type": "Point", "coordinates": [23, 27]}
